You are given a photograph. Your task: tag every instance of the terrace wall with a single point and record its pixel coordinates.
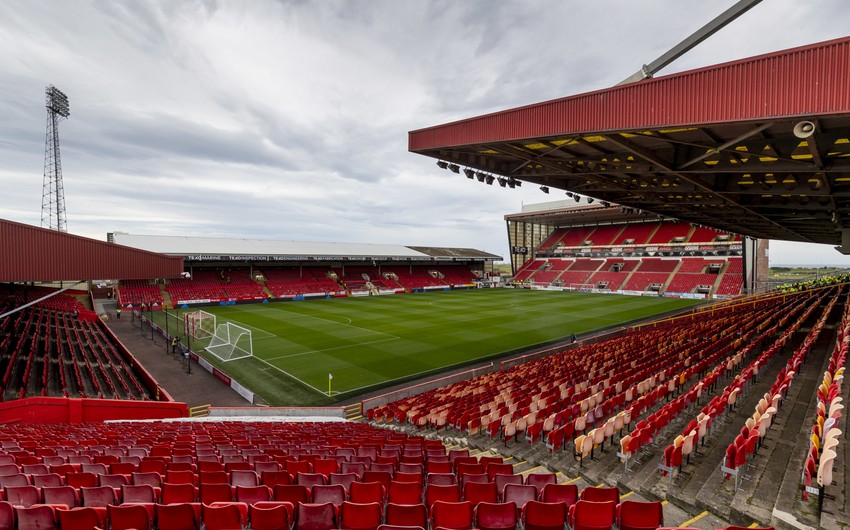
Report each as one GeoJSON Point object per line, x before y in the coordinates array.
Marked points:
{"type": "Point", "coordinates": [83, 410]}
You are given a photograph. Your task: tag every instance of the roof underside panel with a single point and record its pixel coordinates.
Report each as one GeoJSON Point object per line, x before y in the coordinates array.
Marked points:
{"type": "Point", "coordinates": [759, 147]}
{"type": "Point", "coordinates": [805, 81]}
{"type": "Point", "coordinates": [36, 254]}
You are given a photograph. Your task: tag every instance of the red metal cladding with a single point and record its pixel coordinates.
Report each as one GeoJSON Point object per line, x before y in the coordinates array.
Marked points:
{"type": "Point", "coordinates": [30, 253]}
{"type": "Point", "coordinates": [806, 81]}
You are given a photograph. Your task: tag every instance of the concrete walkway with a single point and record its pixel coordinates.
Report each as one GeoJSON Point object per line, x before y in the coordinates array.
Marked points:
{"type": "Point", "coordinates": [198, 388]}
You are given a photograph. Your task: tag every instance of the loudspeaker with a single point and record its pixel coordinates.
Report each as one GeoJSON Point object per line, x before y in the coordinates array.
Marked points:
{"type": "Point", "coordinates": [804, 129]}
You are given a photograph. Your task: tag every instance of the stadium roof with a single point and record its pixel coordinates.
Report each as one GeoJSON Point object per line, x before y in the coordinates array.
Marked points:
{"type": "Point", "coordinates": [759, 146]}
{"type": "Point", "coordinates": [213, 249]}
{"type": "Point", "coordinates": [33, 254]}
{"type": "Point", "coordinates": [568, 212]}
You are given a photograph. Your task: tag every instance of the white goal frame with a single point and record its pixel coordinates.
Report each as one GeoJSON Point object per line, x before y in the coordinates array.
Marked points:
{"type": "Point", "coordinates": [199, 324]}
{"type": "Point", "coordinates": [231, 342]}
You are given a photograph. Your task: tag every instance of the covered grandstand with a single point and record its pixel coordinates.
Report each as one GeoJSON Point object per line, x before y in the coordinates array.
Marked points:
{"type": "Point", "coordinates": [53, 343]}
{"type": "Point", "coordinates": [756, 147]}
{"type": "Point", "coordinates": [611, 249]}
{"type": "Point", "coordinates": [222, 270]}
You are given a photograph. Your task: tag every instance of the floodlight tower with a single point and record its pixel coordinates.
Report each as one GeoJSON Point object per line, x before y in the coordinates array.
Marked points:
{"type": "Point", "coordinates": [53, 192]}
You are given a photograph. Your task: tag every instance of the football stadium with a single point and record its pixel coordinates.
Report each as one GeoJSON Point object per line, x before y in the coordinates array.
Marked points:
{"type": "Point", "coordinates": [636, 369]}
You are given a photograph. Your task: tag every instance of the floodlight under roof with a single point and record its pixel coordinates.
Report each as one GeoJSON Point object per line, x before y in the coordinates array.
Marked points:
{"type": "Point", "coordinates": [481, 176]}
{"type": "Point", "coordinates": [454, 168]}
{"type": "Point", "coordinates": [469, 173]}
{"type": "Point", "coordinates": [544, 189]}
{"type": "Point", "coordinates": [442, 164]}
{"type": "Point", "coordinates": [490, 179]}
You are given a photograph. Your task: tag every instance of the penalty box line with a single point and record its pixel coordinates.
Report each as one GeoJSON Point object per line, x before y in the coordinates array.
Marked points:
{"type": "Point", "coordinates": [349, 325]}
{"type": "Point", "coordinates": [334, 348]}
{"type": "Point", "coordinates": [284, 372]}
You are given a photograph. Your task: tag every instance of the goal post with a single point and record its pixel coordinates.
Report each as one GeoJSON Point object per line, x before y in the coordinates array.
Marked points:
{"type": "Point", "coordinates": [231, 342]}
{"type": "Point", "coordinates": [199, 324]}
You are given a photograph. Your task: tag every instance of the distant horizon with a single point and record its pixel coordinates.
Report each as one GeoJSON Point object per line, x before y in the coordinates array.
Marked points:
{"type": "Point", "coordinates": [810, 266]}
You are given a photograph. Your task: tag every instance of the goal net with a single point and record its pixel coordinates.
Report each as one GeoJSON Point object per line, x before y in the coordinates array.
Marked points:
{"type": "Point", "coordinates": [199, 324]}
{"type": "Point", "coordinates": [231, 342]}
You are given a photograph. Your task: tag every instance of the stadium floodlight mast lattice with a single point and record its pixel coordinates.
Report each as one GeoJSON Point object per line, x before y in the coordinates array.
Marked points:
{"type": "Point", "coordinates": [53, 191]}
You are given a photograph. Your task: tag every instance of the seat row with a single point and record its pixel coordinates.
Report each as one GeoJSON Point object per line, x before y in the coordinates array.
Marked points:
{"type": "Point", "coordinates": [825, 431]}
{"type": "Point", "coordinates": [684, 445]}
{"type": "Point", "coordinates": [744, 448]}
{"type": "Point", "coordinates": [723, 363]}
{"type": "Point", "coordinates": [584, 515]}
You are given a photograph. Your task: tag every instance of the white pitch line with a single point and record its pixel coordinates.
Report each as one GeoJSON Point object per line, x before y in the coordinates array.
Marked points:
{"type": "Point", "coordinates": [333, 322]}
{"type": "Point", "coordinates": [334, 348]}
{"type": "Point", "coordinates": [292, 376]}
{"type": "Point", "coordinates": [413, 375]}
{"type": "Point", "coordinates": [266, 334]}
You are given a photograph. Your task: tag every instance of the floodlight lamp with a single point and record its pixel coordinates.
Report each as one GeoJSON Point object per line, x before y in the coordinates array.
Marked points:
{"type": "Point", "coordinates": [490, 179]}
{"type": "Point", "coordinates": [589, 200]}
{"type": "Point", "coordinates": [544, 189]}
{"type": "Point", "coordinates": [454, 168]}
{"type": "Point", "coordinates": [470, 174]}
{"type": "Point", "coordinates": [503, 182]}
{"type": "Point", "coordinates": [442, 164]}
{"type": "Point", "coordinates": [570, 194]}
{"type": "Point", "coordinates": [577, 197]}
{"type": "Point", "coordinates": [481, 176]}
{"type": "Point", "coordinates": [606, 204]}
{"type": "Point", "coordinates": [512, 183]}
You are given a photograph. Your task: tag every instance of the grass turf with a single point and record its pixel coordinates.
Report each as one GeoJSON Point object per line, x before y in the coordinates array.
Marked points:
{"type": "Point", "coordinates": [371, 342]}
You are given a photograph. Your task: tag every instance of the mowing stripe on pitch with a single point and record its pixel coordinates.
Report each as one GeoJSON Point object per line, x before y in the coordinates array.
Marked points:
{"type": "Point", "coordinates": [349, 325]}
{"type": "Point", "coordinates": [357, 345]}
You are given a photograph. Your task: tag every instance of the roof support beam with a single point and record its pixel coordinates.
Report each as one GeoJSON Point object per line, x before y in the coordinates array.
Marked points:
{"type": "Point", "coordinates": [715, 25]}
{"type": "Point", "coordinates": [726, 145]}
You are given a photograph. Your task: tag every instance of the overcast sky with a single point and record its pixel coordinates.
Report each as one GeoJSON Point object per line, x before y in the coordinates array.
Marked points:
{"type": "Point", "coordinates": [289, 119]}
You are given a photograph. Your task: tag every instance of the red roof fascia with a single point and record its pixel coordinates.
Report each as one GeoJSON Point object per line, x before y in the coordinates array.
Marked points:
{"type": "Point", "coordinates": [31, 253]}
{"type": "Point", "coordinates": [805, 81]}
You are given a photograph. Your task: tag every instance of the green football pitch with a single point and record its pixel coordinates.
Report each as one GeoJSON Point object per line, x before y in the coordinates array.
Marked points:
{"type": "Point", "coordinates": [369, 342]}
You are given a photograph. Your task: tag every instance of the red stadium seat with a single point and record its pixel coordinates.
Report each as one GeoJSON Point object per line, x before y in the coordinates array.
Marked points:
{"type": "Point", "coordinates": [590, 515]}
{"type": "Point", "coordinates": [332, 493]}
{"type": "Point", "coordinates": [452, 515]}
{"type": "Point", "coordinates": [600, 494]}
{"type": "Point", "coordinates": [544, 516]}
{"type": "Point", "coordinates": [407, 515]}
{"type": "Point", "coordinates": [476, 492]}
{"type": "Point", "coordinates": [566, 493]}
{"type": "Point", "coordinates": [24, 496]}
{"type": "Point", "coordinates": [447, 493]}
{"type": "Point", "coordinates": [496, 516]}
{"type": "Point", "coordinates": [356, 516]}
{"type": "Point", "coordinates": [40, 516]}
{"type": "Point", "coordinates": [224, 516]}
{"type": "Point", "coordinates": [365, 492]}
{"type": "Point", "coordinates": [519, 495]}
{"type": "Point", "coordinates": [76, 519]}
{"type": "Point", "coordinates": [315, 517]}
{"type": "Point", "coordinates": [405, 492]}
{"type": "Point", "coordinates": [633, 515]}
{"type": "Point", "coordinates": [271, 516]}
{"type": "Point", "coordinates": [253, 494]}
{"type": "Point", "coordinates": [538, 480]}
{"type": "Point", "coordinates": [129, 517]}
